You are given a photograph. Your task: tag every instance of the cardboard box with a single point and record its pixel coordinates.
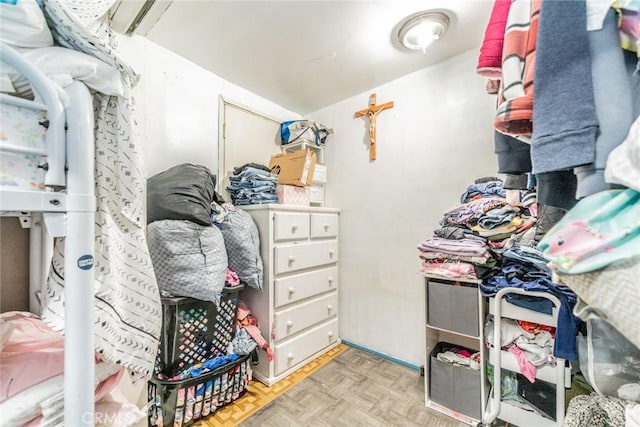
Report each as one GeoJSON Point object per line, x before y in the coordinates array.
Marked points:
{"type": "Point", "coordinates": [292, 195]}
{"type": "Point", "coordinates": [294, 168]}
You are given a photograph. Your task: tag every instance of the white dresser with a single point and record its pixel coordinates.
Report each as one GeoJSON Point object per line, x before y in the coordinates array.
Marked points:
{"type": "Point", "coordinates": [298, 309]}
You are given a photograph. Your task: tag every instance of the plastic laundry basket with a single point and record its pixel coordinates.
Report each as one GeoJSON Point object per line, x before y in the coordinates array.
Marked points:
{"type": "Point", "coordinates": [182, 403]}
{"type": "Point", "coordinates": [194, 331]}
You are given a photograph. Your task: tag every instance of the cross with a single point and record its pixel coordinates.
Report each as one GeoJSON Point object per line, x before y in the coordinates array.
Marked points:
{"type": "Point", "coordinates": [372, 112]}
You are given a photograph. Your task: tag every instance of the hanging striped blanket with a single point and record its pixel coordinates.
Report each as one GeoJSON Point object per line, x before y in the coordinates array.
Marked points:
{"type": "Point", "coordinates": [514, 115]}
{"type": "Point", "coordinates": [127, 317]}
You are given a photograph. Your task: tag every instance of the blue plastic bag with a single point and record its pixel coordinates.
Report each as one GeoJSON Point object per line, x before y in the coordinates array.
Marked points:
{"type": "Point", "coordinates": [303, 130]}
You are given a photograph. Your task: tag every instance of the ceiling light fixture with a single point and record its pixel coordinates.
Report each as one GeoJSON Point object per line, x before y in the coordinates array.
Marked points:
{"type": "Point", "coordinates": [419, 30]}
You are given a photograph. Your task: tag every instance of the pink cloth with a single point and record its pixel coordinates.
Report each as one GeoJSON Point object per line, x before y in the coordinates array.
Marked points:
{"type": "Point", "coordinates": [32, 354]}
{"type": "Point", "coordinates": [243, 311]}
{"type": "Point", "coordinates": [257, 337]}
{"type": "Point", "coordinates": [232, 278]}
{"type": "Point", "coordinates": [452, 270]}
{"type": "Point", "coordinates": [490, 59]}
{"type": "Point", "coordinates": [528, 369]}
{"type": "Point", "coordinates": [35, 353]}
{"type": "Point", "coordinates": [250, 324]}
{"type": "Point", "coordinates": [103, 393]}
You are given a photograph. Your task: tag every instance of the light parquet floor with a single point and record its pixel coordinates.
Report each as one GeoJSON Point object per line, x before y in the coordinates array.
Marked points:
{"type": "Point", "coordinates": [345, 387]}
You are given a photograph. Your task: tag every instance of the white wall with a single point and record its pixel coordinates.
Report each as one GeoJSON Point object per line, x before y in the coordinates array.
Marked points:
{"type": "Point", "coordinates": [435, 141]}
{"type": "Point", "coordinates": [178, 105]}
{"type": "Point", "coordinates": [431, 145]}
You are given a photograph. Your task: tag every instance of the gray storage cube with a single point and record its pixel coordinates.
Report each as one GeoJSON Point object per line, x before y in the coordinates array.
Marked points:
{"type": "Point", "coordinates": [453, 307]}
{"type": "Point", "coordinates": [455, 387]}
{"type": "Point", "coordinates": [466, 390]}
{"type": "Point", "coordinates": [441, 382]}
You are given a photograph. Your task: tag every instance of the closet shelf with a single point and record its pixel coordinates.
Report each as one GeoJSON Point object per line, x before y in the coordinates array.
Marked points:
{"type": "Point", "coordinates": [475, 337]}
{"type": "Point", "coordinates": [518, 416]}
{"type": "Point", "coordinates": [451, 413]}
{"type": "Point", "coordinates": [476, 281]}
{"type": "Point", "coordinates": [546, 373]}
{"type": "Point", "coordinates": [519, 313]}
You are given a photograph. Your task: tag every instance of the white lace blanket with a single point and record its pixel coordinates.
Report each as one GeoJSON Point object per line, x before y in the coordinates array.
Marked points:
{"type": "Point", "coordinates": [127, 302]}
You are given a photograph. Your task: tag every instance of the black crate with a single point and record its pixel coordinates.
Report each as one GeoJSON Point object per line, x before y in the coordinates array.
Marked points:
{"type": "Point", "coordinates": [182, 403]}
{"type": "Point", "coordinates": [194, 331]}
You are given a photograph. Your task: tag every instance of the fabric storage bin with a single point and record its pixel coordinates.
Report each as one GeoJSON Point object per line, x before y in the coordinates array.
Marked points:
{"type": "Point", "coordinates": [194, 331]}
{"type": "Point", "coordinates": [455, 387]}
{"type": "Point", "coordinates": [453, 306]}
{"type": "Point", "coordinates": [182, 403]}
{"type": "Point", "coordinates": [292, 195]}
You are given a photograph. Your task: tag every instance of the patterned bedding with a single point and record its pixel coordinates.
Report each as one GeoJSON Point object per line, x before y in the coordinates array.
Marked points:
{"type": "Point", "coordinates": [20, 126]}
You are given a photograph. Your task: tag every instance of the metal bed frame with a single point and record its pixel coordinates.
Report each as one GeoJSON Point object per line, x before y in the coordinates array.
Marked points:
{"type": "Point", "coordinates": [70, 167]}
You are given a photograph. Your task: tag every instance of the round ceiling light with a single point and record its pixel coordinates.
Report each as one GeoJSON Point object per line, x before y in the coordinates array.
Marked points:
{"type": "Point", "coordinates": [418, 31]}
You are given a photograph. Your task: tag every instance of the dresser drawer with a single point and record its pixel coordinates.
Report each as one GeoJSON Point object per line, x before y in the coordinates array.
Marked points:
{"type": "Point", "coordinates": [305, 285]}
{"type": "Point", "coordinates": [324, 225]}
{"type": "Point", "coordinates": [290, 226]}
{"type": "Point", "coordinates": [299, 256]}
{"type": "Point", "coordinates": [305, 345]}
{"type": "Point", "coordinates": [292, 320]}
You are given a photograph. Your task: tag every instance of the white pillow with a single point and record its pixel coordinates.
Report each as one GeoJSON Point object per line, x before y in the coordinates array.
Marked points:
{"type": "Point", "coordinates": [24, 25]}
{"type": "Point", "coordinates": [62, 65]}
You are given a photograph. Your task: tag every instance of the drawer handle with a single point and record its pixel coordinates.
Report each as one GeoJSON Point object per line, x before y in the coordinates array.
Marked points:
{"type": "Point", "coordinates": [330, 279]}
{"type": "Point", "coordinates": [330, 334]}
{"type": "Point", "coordinates": [291, 259]}
{"type": "Point", "coordinates": [292, 290]}
{"type": "Point", "coordinates": [331, 252]}
{"type": "Point", "coordinates": [294, 227]}
{"type": "Point", "coordinates": [289, 324]}
{"type": "Point", "coordinates": [290, 356]}
{"type": "Point", "coordinates": [326, 227]}
{"type": "Point", "coordinates": [330, 307]}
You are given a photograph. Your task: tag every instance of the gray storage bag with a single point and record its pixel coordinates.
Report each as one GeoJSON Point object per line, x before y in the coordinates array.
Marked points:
{"type": "Point", "coordinates": [242, 241]}
{"type": "Point", "coordinates": [189, 259]}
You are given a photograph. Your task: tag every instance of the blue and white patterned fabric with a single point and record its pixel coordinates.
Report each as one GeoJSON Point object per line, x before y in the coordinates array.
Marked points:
{"type": "Point", "coordinates": [127, 310]}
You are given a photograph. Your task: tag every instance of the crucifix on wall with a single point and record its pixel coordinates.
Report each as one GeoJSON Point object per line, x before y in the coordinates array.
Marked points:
{"type": "Point", "coordinates": [372, 112]}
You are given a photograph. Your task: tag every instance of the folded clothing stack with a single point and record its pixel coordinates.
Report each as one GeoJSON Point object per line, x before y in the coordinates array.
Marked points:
{"type": "Point", "coordinates": [474, 233]}
{"type": "Point", "coordinates": [252, 184]}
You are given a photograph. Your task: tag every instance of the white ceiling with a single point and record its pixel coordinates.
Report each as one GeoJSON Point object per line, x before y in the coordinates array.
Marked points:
{"type": "Point", "coordinates": [305, 55]}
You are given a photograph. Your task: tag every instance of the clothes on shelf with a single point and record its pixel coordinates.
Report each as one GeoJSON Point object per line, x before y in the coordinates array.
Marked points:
{"type": "Point", "coordinates": [525, 268]}
{"type": "Point", "coordinates": [460, 357]}
{"type": "Point", "coordinates": [531, 350]}
{"type": "Point", "coordinates": [252, 186]}
{"type": "Point", "coordinates": [474, 233]}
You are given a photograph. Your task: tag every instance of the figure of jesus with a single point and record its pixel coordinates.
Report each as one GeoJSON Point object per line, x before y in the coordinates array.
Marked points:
{"type": "Point", "coordinates": [372, 113]}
